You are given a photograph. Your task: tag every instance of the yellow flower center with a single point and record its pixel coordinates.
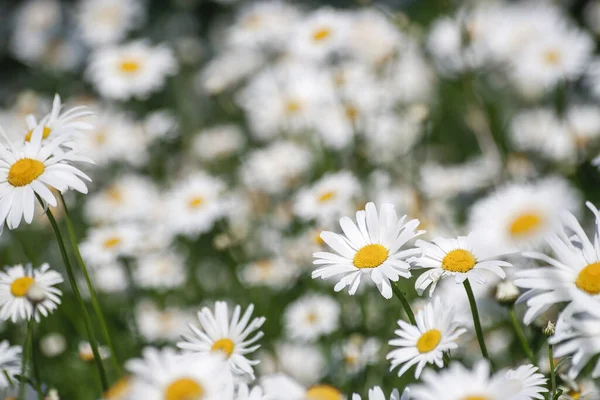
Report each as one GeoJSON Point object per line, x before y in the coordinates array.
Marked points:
{"type": "Point", "coordinates": [552, 57]}
{"type": "Point", "coordinates": [325, 197]}
{"type": "Point", "coordinates": [196, 202]}
{"type": "Point", "coordinates": [351, 113]}
{"type": "Point", "coordinates": [588, 279]}
{"type": "Point", "coordinates": [112, 242]}
{"type": "Point", "coordinates": [25, 171]}
{"type": "Point", "coordinates": [429, 341]}
{"type": "Point", "coordinates": [20, 286]}
{"type": "Point", "coordinates": [184, 389]}
{"type": "Point", "coordinates": [525, 224]}
{"type": "Point", "coordinates": [321, 34]}
{"type": "Point", "coordinates": [574, 394]}
{"type": "Point", "coordinates": [323, 392]}
{"type": "Point", "coordinates": [459, 260]}
{"type": "Point", "coordinates": [370, 256]}
{"type": "Point", "coordinates": [293, 106]}
{"type": "Point", "coordinates": [224, 345]}
{"type": "Point", "coordinates": [117, 390]}
{"type": "Point", "coordinates": [47, 132]}
{"type": "Point", "coordinates": [311, 318]}
{"type": "Point", "coordinates": [475, 398]}
{"type": "Point", "coordinates": [318, 239]}
{"type": "Point", "coordinates": [129, 66]}
{"type": "Point", "coordinates": [115, 194]}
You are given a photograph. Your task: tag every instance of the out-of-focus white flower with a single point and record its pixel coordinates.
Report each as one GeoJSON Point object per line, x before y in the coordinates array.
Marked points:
{"type": "Point", "coordinates": [161, 325]}
{"type": "Point", "coordinates": [303, 362]}
{"type": "Point", "coordinates": [282, 387]}
{"type": "Point", "coordinates": [104, 245]}
{"type": "Point", "coordinates": [311, 316]}
{"type": "Point", "coordinates": [52, 345]}
{"type": "Point", "coordinates": [218, 142]}
{"type": "Point", "coordinates": [276, 273]}
{"type": "Point", "coordinates": [160, 271]}
{"type": "Point", "coordinates": [227, 70]}
{"type": "Point", "coordinates": [103, 22]}
{"type": "Point", "coordinates": [10, 363]}
{"type": "Point", "coordinates": [320, 34]}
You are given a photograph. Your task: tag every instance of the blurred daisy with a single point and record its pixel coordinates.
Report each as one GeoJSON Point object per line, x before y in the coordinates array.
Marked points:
{"type": "Point", "coordinates": [436, 333]}
{"type": "Point", "coordinates": [328, 198]}
{"type": "Point", "coordinates": [10, 363]}
{"type": "Point", "coordinates": [87, 354]}
{"type": "Point", "coordinates": [103, 22]}
{"type": "Point", "coordinates": [461, 258]}
{"type": "Point", "coordinates": [233, 338]}
{"type": "Point", "coordinates": [520, 216]}
{"type": "Point", "coordinates": [276, 273]}
{"type": "Point", "coordinates": [573, 276]}
{"type": "Point", "coordinates": [579, 390]}
{"type": "Point", "coordinates": [245, 393]}
{"type": "Point", "coordinates": [120, 390]}
{"type": "Point", "coordinates": [525, 383]}
{"type": "Point", "coordinates": [311, 316]}
{"type": "Point", "coordinates": [105, 244]}
{"type": "Point", "coordinates": [164, 374]}
{"type": "Point", "coordinates": [282, 387]}
{"type": "Point", "coordinates": [161, 324]}
{"type": "Point", "coordinates": [321, 34]}
{"type": "Point", "coordinates": [160, 271]}
{"type": "Point", "coordinates": [134, 69]}
{"type": "Point", "coordinates": [305, 363]}
{"type": "Point", "coordinates": [218, 142]}
{"type": "Point", "coordinates": [33, 170]}
{"type": "Point", "coordinates": [372, 248]}
{"type": "Point", "coordinates": [357, 352]}
{"type": "Point", "coordinates": [15, 284]}
{"type": "Point", "coordinates": [194, 204]}
{"type": "Point", "coordinates": [377, 394]}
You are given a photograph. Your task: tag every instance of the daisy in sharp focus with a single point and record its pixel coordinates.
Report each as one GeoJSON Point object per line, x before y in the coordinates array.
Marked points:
{"type": "Point", "coordinates": [167, 375]}
{"type": "Point", "coordinates": [460, 258]}
{"type": "Point", "coordinates": [525, 383]}
{"type": "Point", "coordinates": [436, 332]}
{"type": "Point", "coordinates": [15, 284]}
{"type": "Point", "coordinates": [34, 169]}
{"type": "Point", "coordinates": [234, 338]}
{"type": "Point", "coordinates": [371, 246]}
{"type": "Point", "coordinates": [572, 276]}
{"type": "Point", "coordinates": [10, 363]}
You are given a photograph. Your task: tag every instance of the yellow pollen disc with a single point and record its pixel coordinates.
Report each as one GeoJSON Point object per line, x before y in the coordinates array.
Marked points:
{"type": "Point", "coordinates": [370, 256]}
{"type": "Point", "coordinates": [196, 202]}
{"type": "Point", "coordinates": [25, 171]}
{"type": "Point", "coordinates": [588, 279]}
{"type": "Point", "coordinates": [459, 261]}
{"type": "Point", "coordinates": [574, 395]}
{"type": "Point", "coordinates": [351, 113]}
{"type": "Point", "coordinates": [112, 242]}
{"type": "Point", "coordinates": [325, 197]}
{"type": "Point", "coordinates": [321, 34]}
{"type": "Point", "coordinates": [223, 345]}
{"type": "Point", "coordinates": [129, 66]}
{"type": "Point", "coordinates": [293, 106]}
{"type": "Point", "coordinates": [311, 318]}
{"type": "Point", "coordinates": [115, 194]}
{"type": "Point", "coordinates": [47, 132]}
{"type": "Point", "coordinates": [323, 392]}
{"type": "Point", "coordinates": [429, 341]}
{"type": "Point", "coordinates": [318, 239]}
{"type": "Point", "coordinates": [184, 389]}
{"type": "Point", "coordinates": [525, 224]}
{"type": "Point", "coordinates": [117, 390]}
{"type": "Point", "coordinates": [552, 57]}
{"type": "Point", "coordinates": [20, 286]}
{"type": "Point", "coordinates": [100, 137]}
{"type": "Point", "coordinates": [475, 398]}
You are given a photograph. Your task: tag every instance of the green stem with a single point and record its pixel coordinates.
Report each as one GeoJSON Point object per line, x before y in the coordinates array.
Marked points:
{"type": "Point", "coordinates": [86, 317]}
{"type": "Point", "coordinates": [552, 372]}
{"type": "Point", "coordinates": [36, 371]}
{"type": "Point", "coordinates": [94, 297]}
{"type": "Point", "coordinates": [24, 361]}
{"type": "Point", "coordinates": [8, 378]}
{"type": "Point", "coordinates": [405, 303]}
{"type": "Point", "coordinates": [476, 320]}
{"type": "Point", "coordinates": [521, 335]}
{"type": "Point", "coordinates": [132, 296]}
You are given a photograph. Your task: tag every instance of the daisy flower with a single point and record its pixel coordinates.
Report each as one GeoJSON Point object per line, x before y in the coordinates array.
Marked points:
{"type": "Point", "coordinates": [104, 245]}
{"type": "Point", "coordinates": [573, 276]}
{"type": "Point", "coordinates": [233, 338]}
{"type": "Point", "coordinates": [377, 394]}
{"type": "Point", "coordinates": [282, 387]}
{"type": "Point", "coordinates": [245, 393]}
{"type": "Point", "coordinates": [460, 258]}
{"type": "Point", "coordinates": [33, 170]}
{"type": "Point", "coordinates": [134, 69]}
{"type": "Point", "coordinates": [311, 316]}
{"type": "Point", "coordinates": [10, 363]}
{"type": "Point", "coordinates": [372, 248]}
{"type": "Point", "coordinates": [15, 283]}
{"type": "Point", "coordinates": [103, 22]}
{"type": "Point", "coordinates": [525, 383]}
{"type": "Point", "coordinates": [305, 363]}
{"type": "Point", "coordinates": [166, 375]}
{"type": "Point", "coordinates": [436, 332]}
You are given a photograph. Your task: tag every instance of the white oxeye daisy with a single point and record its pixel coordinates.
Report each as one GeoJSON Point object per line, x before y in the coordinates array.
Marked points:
{"type": "Point", "coordinates": [107, 21]}
{"type": "Point", "coordinates": [34, 169]}
{"type": "Point", "coordinates": [67, 123]}
{"type": "Point", "coordinates": [461, 258]}
{"type": "Point", "coordinates": [573, 276]}
{"type": "Point", "coordinates": [282, 387]}
{"type": "Point", "coordinates": [458, 383]}
{"type": "Point", "coordinates": [134, 69]}
{"type": "Point", "coordinates": [104, 245]}
{"type": "Point", "coordinates": [233, 338]}
{"type": "Point", "coordinates": [436, 332]}
{"type": "Point", "coordinates": [372, 248]}
{"type": "Point", "coordinates": [244, 393]}
{"type": "Point", "coordinates": [10, 363]}
{"type": "Point", "coordinates": [15, 283]}
{"type": "Point", "coordinates": [166, 375]}
{"type": "Point", "coordinates": [311, 316]}
{"type": "Point", "coordinates": [377, 394]}
{"type": "Point", "coordinates": [585, 389]}
{"type": "Point", "coordinates": [525, 383]}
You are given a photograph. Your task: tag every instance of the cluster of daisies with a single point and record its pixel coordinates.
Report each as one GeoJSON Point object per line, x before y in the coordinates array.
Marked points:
{"type": "Point", "coordinates": [429, 167]}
